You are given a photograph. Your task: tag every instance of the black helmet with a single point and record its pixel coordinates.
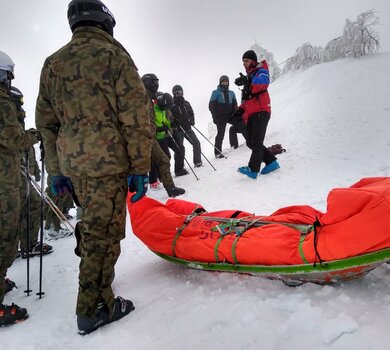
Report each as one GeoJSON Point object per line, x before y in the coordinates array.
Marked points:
{"type": "Point", "coordinates": [223, 78]}
{"type": "Point", "coordinates": [150, 81]}
{"type": "Point", "coordinates": [165, 101]}
{"type": "Point", "coordinates": [16, 95]}
{"type": "Point", "coordinates": [92, 13]}
{"type": "Point", "coordinates": [177, 90]}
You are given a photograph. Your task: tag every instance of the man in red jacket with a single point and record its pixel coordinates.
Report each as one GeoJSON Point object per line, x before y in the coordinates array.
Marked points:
{"type": "Point", "coordinates": [255, 111]}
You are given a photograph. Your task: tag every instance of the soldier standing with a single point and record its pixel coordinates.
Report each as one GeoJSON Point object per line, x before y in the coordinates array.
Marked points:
{"type": "Point", "coordinates": [34, 197]}
{"type": "Point", "coordinates": [13, 140]}
{"type": "Point", "coordinates": [93, 113]}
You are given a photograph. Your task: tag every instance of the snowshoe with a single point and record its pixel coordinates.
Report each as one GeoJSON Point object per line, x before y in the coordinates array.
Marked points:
{"type": "Point", "coordinates": [9, 285]}
{"type": "Point", "coordinates": [270, 167]}
{"type": "Point", "coordinates": [181, 172]}
{"type": "Point", "coordinates": [122, 307]}
{"type": "Point", "coordinates": [36, 250]}
{"type": "Point", "coordinates": [174, 191]}
{"type": "Point", "coordinates": [10, 314]}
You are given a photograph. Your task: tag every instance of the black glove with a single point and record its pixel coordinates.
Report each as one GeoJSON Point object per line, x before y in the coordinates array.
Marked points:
{"type": "Point", "coordinates": [242, 80]}
{"type": "Point", "coordinates": [37, 176]}
{"type": "Point", "coordinates": [162, 128]}
{"type": "Point", "coordinates": [237, 115]}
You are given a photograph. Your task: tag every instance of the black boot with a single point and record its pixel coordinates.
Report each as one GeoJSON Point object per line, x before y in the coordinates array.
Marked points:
{"type": "Point", "coordinates": [9, 285]}
{"type": "Point", "coordinates": [122, 307]}
{"type": "Point", "coordinates": [174, 191]}
{"type": "Point", "coordinates": [10, 314]}
{"type": "Point", "coordinates": [181, 172]}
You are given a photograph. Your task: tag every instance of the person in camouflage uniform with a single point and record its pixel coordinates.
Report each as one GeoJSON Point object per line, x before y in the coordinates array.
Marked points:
{"type": "Point", "coordinates": [159, 158]}
{"type": "Point", "coordinates": [92, 112]}
{"type": "Point", "coordinates": [13, 141]}
{"type": "Point", "coordinates": [34, 197]}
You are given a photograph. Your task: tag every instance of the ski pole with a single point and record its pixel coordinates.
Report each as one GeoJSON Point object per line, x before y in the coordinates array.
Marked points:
{"type": "Point", "coordinates": [209, 141]}
{"type": "Point", "coordinates": [189, 139]}
{"type": "Point", "coordinates": [27, 222]}
{"type": "Point", "coordinates": [177, 146]}
{"type": "Point", "coordinates": [40, 293]}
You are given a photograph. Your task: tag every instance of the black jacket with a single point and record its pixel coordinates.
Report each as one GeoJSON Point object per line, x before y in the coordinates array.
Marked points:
{"type": "Point", "coordinates": [183, 114]}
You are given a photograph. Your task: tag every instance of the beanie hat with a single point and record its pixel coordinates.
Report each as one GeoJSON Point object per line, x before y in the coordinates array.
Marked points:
{"type": "Point", "coordinates": [250, 54]}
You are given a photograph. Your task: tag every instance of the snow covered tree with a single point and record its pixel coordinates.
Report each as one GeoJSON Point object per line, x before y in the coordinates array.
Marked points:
{"type": "Point", "coordinates": [360, 36]}
{"type": "Point", "coordinates": [305, 56]}
{"type": "Point", "coordinates": [264, 54]}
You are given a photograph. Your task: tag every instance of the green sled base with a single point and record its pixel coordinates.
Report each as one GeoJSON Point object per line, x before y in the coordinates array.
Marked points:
{"type": "Point", "coordinates": [329, 272]}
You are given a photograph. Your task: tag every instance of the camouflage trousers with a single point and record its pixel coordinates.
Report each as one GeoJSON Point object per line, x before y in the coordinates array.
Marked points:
{"type": "Point", "coordinates": [35, 217]}
{"type": "Point", "coordinates": [102, 227]}
{"type": "Point", "coordinates": [9, 215]}
{"type": "Point", "coordinates": [163, 164]}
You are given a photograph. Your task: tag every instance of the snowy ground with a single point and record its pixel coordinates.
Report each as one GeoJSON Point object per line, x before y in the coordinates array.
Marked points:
{"type": "Point", "coordinates": [333, 119]}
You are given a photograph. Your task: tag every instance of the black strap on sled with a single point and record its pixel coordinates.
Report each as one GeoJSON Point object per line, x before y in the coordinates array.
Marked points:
{"type": "Point", "coordinates": [316, 226]}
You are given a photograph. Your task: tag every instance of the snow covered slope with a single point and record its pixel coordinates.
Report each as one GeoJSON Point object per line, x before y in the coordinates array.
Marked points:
{"type": "Point", "coordinates": [334, 121]}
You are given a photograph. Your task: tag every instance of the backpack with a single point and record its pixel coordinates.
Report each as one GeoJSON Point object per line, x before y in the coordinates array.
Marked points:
{"type": "Point", "coordinates": [276, 149]}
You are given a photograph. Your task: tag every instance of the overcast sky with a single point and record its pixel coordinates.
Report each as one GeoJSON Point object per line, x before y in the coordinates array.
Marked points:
{"type": "Point", "coordinates": [183, 42]}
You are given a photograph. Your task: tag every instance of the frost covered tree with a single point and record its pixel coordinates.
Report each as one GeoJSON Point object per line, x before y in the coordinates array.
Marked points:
{"type": "Point", "coordinates": [359, 38]}
{"type": "Point", "coordinates": [264, 54]}
{"type": "Point", "coordinates": [305, 56]}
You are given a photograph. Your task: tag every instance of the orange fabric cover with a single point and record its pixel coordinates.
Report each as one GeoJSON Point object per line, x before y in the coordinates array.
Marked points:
{"type": "Point", "coordinates": [357, 222]}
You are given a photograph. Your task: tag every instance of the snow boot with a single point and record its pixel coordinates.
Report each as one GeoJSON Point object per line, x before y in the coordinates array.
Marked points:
{"type": "Point", "coordinates": [219, 156]}
{"type": "Point", "coordinates": [122, 307]}
{"type": "Point", "coordinates": [248, 172]}
{"type": "Point", "coordinates": [198, 165]}
{"type": "Point", "coordinates": [270, 167]}
{"type": "Point", "coordinates": [174, 191]}
{"type": "Point", "coordinates": [181, 172]}
{"type": "Point", "coordinates": [9, 285]}
{"type": "Point", "coordinates": [52, 233]}
{"type": "Point", "coordinates": [10, 314]}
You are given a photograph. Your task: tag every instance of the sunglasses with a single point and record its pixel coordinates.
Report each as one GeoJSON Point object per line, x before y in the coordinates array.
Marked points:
{"type": "Point", "coordinates": [178, 93]}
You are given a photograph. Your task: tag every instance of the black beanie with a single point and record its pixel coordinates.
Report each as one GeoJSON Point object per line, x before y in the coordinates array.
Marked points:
{"type": "Point", "coordinates": [250, 54]}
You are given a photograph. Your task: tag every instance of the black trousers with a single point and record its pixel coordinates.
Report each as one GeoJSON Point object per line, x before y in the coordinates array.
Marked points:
{"type": "Point", "coordinates": [256, 130]}
{"type": "Point", "coordinates": [236, 128]}
{"type": "Point", "coordinates": [221, 126]}
{"type": "Point", "coordinates": [193, 140]}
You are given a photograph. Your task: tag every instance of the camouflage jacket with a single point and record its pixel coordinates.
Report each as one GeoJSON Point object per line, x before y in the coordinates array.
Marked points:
{"type": "Point", "coordinates": [13, 139]}
{"type": "Point", "coordinates": [92, 109]}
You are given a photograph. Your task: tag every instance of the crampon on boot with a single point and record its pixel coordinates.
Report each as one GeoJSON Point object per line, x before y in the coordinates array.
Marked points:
{"type": "Point", "coordinates": [122, 307]}
{"type": "Point", "coordinates": [10, 314]}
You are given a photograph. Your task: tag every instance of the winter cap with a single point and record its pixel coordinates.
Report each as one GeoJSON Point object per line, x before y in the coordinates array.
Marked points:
{"type": "Point", "coordinates": [250, 54]}
{"type": "Point", "coordinates": [223, 78]}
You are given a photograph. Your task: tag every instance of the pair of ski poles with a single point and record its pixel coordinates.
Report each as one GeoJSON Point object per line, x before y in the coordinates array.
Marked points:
{"type": "Point", "coordinates": [51, 204]}
{"type": "Point", "coordinates": [192, 143]}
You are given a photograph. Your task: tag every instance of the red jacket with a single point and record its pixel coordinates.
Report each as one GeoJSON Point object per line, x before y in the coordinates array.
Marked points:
{"type": "Point", "coordinates": [260, 101]}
